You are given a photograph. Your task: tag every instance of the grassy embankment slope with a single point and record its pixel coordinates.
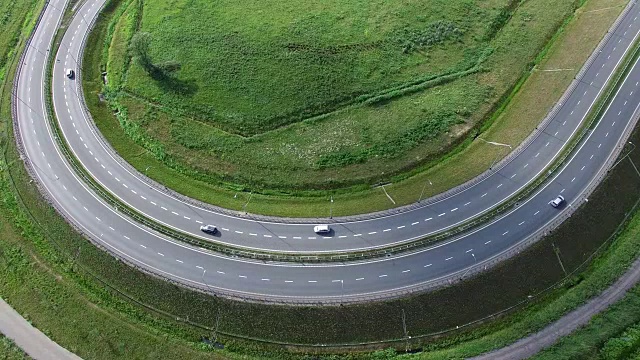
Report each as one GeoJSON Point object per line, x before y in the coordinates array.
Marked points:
{"type": "Point", "coordinates": [170, 162]}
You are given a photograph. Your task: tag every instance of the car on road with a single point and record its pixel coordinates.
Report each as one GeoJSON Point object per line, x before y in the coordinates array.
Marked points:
{"type": "Point", "coordinates": [322, 229]}
{"type": "Point", "coordinates": [70, 73]}
{"type": "Point", "coordinates": [557, 201]}
{"type": "Point", "coordinates": [209, 229]}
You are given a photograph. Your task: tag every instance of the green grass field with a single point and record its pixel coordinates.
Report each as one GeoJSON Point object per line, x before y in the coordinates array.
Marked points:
{"type": "Point", "coordinates": [305, 95]}
{"type": "Point", "coordinates": [9, 350]}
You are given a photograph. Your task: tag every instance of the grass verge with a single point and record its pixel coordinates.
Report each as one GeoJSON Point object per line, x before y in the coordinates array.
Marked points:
{"type": "Point", "coordinates": [536, 93]}
{"type": "Point", "coordinates": [9, 350]}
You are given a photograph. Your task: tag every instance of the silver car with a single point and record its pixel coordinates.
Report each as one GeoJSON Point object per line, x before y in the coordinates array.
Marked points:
{"type": "Point", "coordinates": [557, 201]}
{"type": "Point", "coordinates": [209, 229]}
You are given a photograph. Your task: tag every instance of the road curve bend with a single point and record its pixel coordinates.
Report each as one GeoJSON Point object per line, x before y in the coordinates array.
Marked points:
{"type": "Point", "coordinates": [298, 282]}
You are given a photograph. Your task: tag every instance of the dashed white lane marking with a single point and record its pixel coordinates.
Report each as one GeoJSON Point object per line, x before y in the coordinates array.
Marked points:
{"type": "Point", "coordinates": [358, 279]}
{"type": "Point", "coordinates": [428, 219]}
{"type": "Point", "coordinates": [483, 195]}
{"type": "Point", "coordinates": [556, 134]}
{"type": "Point", "coordinates": [310, 237]}
{"type": "Point", "coordinates": [125, 185]}
{"type": "Point", "coordinates": [357, 235]}
{"type": "Point", "coordinates": [613, 123]}
{"type": "Point", "coordinates": [85, 208]}
{"type": "Point", "coordinates": [512, 176]}
{"type": "Point", "coordinates": [268, 236]}
{"type": "Point", "coordinates": [449, 258]}
{"type": "Point", "coordinates": [152, 203]}
{"type": "Point", "coordinates": [405, 271]}
{"type": "Point", "coordinates": [488, 242]}
{"type": "Point", "coordinates": [467, 203]}
{"type": "Point", "coordinates": [547, 144]}
{"type": "Point", "coordinates": [220, 272]}
{"type": "Point", "coordinates": [505, 233]}
{"type": "Point", "coordinates": [225, 229]}
{"type": "Point", "coordinates": [109, 172]}
{"type": "Point", "coordinates": [342, 236]}
{"type": "Point", "coordinates": [282, 237]}
{"type": "Point", "coordinates": [574, 178]}
{"type": "Point", "coordinates": [468, 251]}
{"type": "Point", "coordinates": [427, 265]}
{"type": "Point", "coordinates": [561, 191]}
{"type": "Point", "coordinates": [536, 213]}
{"type": "Point", "coordinates": [312, 281]}
{"type": "Point", "coordinates": [199, 267]}
{"type": "Point", "coordinates": [126, 237]}
{"type": "Point", "coordinates": [441, 214]}
{"type": "Point", "coordinates": [385, 230]}
{"type": "Point", "coordinates": [401, 227]}
{"type": "Point", "coordinates": [265, 279]}
{"type": "Point", "coordinates": [454, 209]}
{"type": "Point", "coordinates": [525, 165]}
{"type": "Point", "coordinates": [591, 157]}
{"type": "Point", "coordinates": [238, 232]}
{"type": "Point", "coordinates": [499, 186]}
{"type": "Point", "coordinates": [599, 146]}
{"type": "Point", "coordinates": [112, 229]}
{"type": "Point", "coordinates": [335, 281]}
{"type": "Point", "coordinates": [74, 198]}
{"type": "Point", "coordinates": [175, 213]}
{"type": "Point", "coordinates": [413, 223]}
{"type": "Point", "coordinates": [582, 168]}
{"type": "Point", "coordinates": [180, 261]}
{"type": "Point", "coordinates": [288, 281]}
{"type": "Point", "coordinates": [199, 222]}
{"type": "Point", "coordinates": [118, 180]}
{"type": "Point", "coordinates": [97, 218]}
{"type": "Point", "coordinates": [144, 247]}
{"type": "Point", "coordinates": [64, 187]}
{"type": "Point", "coordinates": [252, 234]}
{"type": "Point", "coordinates": [133, 191]}
{"type": "Point", "coordinates": [143, 198]}
{"type": "Point", "coordinates": [607, 134]}
{"type": "Point", "coordinates": [373, 232]}
{"type": "Point", "coordinates": [242, 276]}
{"type": "Point", "coordinates": [383, 275]}
{"type": "Point", "coordinates": [521, 223]}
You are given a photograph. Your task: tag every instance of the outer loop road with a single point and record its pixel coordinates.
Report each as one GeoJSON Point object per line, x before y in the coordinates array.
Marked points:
{"type": "Point", "coordinates": [374, 279]}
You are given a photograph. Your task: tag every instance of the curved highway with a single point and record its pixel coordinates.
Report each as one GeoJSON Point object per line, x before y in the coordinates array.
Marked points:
{"type": "Point", "coordinates": [195, 267]}
{"type": "Point", "coordinates": [170, 211]}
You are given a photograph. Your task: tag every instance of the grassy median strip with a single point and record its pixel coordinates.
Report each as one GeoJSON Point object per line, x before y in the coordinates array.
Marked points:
{"type": "Point", "coordinates": [536, 93]}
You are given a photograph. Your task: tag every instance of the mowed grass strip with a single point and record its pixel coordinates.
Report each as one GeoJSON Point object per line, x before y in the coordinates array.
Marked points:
{"type": "Point", "coordinates": [527, 106]}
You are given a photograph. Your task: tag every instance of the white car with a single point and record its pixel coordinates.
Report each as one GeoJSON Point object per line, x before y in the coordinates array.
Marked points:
{"type": "Point", "coordinates": [557, 201]}
{"type": "Point", "coordinates": [322, 229]}
{"type": "Point", "coordinates": [70, 73]}
{"type": "Point", "coordinates": [209, 229]}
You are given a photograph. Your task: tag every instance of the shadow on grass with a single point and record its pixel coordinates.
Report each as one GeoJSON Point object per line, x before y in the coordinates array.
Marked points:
{"type": "Point", "coordinates": [169, 83]}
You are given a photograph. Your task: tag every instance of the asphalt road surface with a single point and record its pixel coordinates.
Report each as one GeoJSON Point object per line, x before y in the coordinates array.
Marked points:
{"type": "Point", "coordinates": [31, 340]}
{"type": "Point", "coordinates": [377, 278]}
